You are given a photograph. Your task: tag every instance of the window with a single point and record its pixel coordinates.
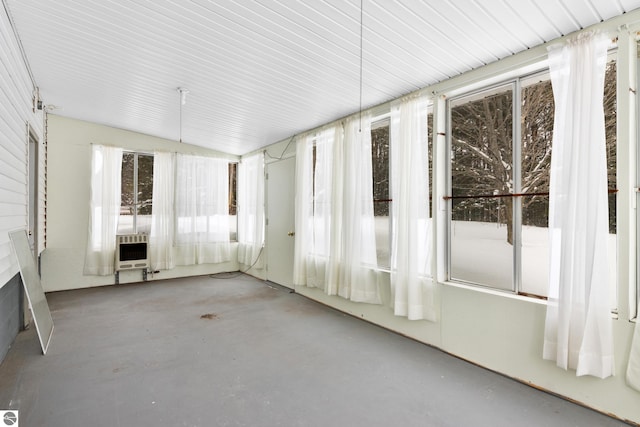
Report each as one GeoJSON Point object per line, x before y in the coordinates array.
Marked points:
{"type": "Point", "coordinates": [201, 210]}
{"type": "Point", "coordinates": [610, 127]}
{"type": "Point", "coordinates": [536, 137]}
{"type": "Point", "coordinates": [498, 231]}
{"type": "Point", "coordinates": [481, 228]}
{"type": "Point", "coordinates": [380, 162]}
{"type": "Point", "coordinates": [381, 190]}
{"type": "Point", "coordinates": [202, 200]}
{"type": "Point", "coordinates": [323, 221]}
{"type": "Point", "coordinates": [233, 201]}
{"type": "Point", "coordinates": [136, 193]}
{"type": "Point", "coordinates": [430, 155]}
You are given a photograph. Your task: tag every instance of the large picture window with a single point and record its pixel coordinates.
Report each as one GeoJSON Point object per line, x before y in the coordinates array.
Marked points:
{"type": "Point", "coordinates": [499, 188]}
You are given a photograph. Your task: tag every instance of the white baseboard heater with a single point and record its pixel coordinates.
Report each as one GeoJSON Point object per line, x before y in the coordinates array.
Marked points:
{"type": "Point", "coordinates": [132, 253]}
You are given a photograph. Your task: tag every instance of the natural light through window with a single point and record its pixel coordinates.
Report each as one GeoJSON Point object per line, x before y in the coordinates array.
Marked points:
{"type": "Point", "coordinates": [481, 228]}
{"type": "Point", "coordinates": [136, 193]}
{"type": "Point", "coordinates": [499, 197]}
{"type": "Point", "coordinates": [381, 195]}
{"type": "Point", "coordinates": [233, 201]}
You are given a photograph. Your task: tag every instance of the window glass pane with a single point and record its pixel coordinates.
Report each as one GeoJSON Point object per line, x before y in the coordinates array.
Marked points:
{"type": "Point", "coordinates": [136, 193]}
{"type": "Point", "coordinates": [537, 111]}
{"type": "Point", "coordinates": [479, 251]}
{"type": "Point", "coordinates": [145, 193]}
{"type": "Point", "coordinates": [481, 167]}
{"type": "Point", "coordinates": [610, 124]}
{"type": "Point", "coordinates": [233, 202]}
{"type": "Point", "coordinates": [127, 198]}
{"type": "Point", "coordinates": [535, 245]}
{"type": "Point", "coordinates": [381, 195]}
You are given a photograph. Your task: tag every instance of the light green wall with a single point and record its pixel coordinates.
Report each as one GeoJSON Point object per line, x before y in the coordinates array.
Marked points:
{"type": "Point", "coordinates": [503, 333]}
{"type": "Point", "coordinates": [68, 189]}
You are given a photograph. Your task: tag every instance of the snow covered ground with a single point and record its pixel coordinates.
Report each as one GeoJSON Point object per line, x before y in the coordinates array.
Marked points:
{"type": "Point", "coordinates": [125, 225]}
{"type": "Point", "coordinates": [481, 255]}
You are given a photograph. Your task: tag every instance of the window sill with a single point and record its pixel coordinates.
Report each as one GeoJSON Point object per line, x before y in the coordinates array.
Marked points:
{"type": "Point", "coordinates": [496, 292]}
{"type": "Point", "coordinates": [511, 295]}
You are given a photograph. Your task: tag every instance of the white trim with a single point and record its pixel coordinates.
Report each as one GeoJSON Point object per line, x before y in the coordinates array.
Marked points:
{"type": "Point", "coordinates": [495, 291]}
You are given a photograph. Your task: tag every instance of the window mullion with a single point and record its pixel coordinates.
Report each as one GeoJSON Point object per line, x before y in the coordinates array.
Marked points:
{"type": "Point", "coordinates": [449, 187]}
{"type": "Point", "coordinates": [517, 186]}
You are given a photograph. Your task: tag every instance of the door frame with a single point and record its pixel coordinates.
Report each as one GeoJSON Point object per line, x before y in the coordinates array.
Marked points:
{"type": "Point", "coordinates": [268, 228]}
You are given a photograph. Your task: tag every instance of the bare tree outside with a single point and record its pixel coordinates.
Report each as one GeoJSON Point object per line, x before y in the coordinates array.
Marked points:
{"type": "Point", "coordinates": [482, 156]}
{"type": "Point", "coordinates": [136, 204]}
{"type": "Point", "coordinates": [380, 167]}
{"type": "Point", "coordinates": [233, 185]}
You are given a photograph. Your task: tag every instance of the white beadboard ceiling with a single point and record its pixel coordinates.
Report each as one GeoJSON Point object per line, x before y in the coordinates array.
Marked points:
{"type": "Point", "coordinates": [261, 71]}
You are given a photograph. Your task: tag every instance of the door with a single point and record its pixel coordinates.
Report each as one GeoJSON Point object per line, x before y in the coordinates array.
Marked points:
{"type": "Point", "coordinates": [280, 221]}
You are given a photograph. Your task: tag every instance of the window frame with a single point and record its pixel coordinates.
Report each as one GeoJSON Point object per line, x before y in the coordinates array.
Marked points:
{"type": "Point", "coordinates": [471, 96]}
{"type": "Point", "coordinates": [386, 117]}
{"type": "Point", "coordinates": [379, 121]}
{"type": "Point", "coordinates": [136, 154]}
{"type": "Point", "coordinates": [474, 94]}
{"type": "Point", "coordinates": [634, 300]}
{"type": "Point", "coordinates": [233, 199]}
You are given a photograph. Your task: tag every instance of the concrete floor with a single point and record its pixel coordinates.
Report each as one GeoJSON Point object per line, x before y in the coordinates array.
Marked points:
{"type": "Point", "coordinates": [240, 352]}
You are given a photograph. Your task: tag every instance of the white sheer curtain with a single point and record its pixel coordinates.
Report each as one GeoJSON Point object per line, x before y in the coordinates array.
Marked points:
{"type": "Point", "coordinates": [324, 254]}
{"type": "Point", "coordinates": [335, 228]}
{"type": "Point", "coordinates": [314, 217]}
{"type": "Point", "coordinates": [578, 328]}
{"type": "Point", "coordinates": [104, 209]}
{"type": "Point", "coordinates": [358, 274]}
{"type": "Point", "coordinates": [412, 289]}
{"type": "Point", "coordinates": [202, 210]}
{"type": "Point", "coordinates": [250, 209]}
{"type": "Point", "coordinates": [321, 245]}
{"type": "Point", "coordinates": [161, 238]}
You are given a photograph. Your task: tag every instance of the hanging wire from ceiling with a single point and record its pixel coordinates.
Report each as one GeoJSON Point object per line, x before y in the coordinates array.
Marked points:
{"type": "Point", "coordinates": [361, 27]}
{"type": "Point", "coordinates": [281, 156]}
{"type": "Point", "coordinates": [183, 100]}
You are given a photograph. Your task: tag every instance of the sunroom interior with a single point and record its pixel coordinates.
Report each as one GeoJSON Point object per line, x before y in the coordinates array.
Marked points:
{"type": "Point", "coordinates": [439, 170]}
